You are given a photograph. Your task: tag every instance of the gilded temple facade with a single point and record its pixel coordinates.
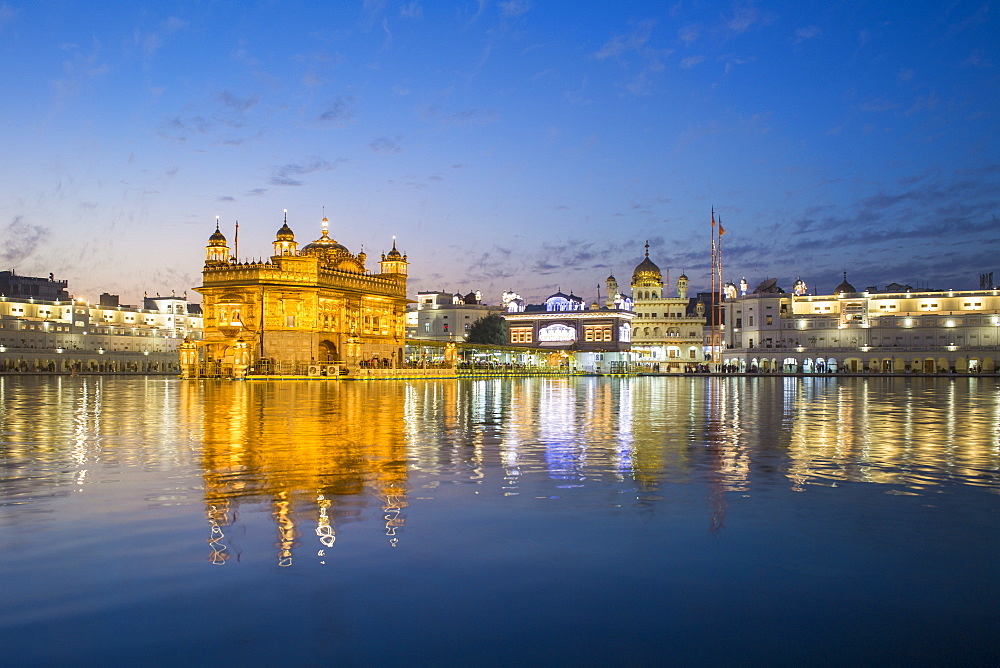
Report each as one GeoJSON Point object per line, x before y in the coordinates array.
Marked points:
{"type": "Point", "coordinates": [314, 310]}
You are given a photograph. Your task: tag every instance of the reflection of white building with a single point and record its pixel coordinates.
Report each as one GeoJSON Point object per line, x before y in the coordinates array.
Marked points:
{"type": "Point", "coordinates": [588, 339]}
{"type": "Point", "coordinates": [667, 331]}
{"type": "Point", "coordinates": [65, 334]}
{"type": "Point", "coordinates": [898, 330]}
{"type": "Point", "coordinates": [443, 316]}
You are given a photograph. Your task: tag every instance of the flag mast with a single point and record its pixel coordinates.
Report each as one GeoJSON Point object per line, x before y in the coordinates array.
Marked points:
{"type": "Point", "coordinates": [714, 298]}
{"type": "Point", "coordinates": [715, 314]}
{"type": "Point", "coordinates": [720, 298]}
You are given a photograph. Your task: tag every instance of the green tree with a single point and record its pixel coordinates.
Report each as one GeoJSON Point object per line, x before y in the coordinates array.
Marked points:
{"type": "Point", "coordinates": [490, 329]}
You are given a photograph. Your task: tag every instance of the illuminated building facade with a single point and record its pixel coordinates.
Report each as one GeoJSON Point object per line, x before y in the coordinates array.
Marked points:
{"type": "Point", "coordinates": [443, 316]}
{"type": "Point", "coordinates": [595, 339]}
{"type": "Point", "coordinates": [44, 329]}
{"type": "Point", "coordinates": [299, 310]}
{"type": "Point", "coordinates": [667, 333]}
{"type": "Point", "coordinates": [898, 331]}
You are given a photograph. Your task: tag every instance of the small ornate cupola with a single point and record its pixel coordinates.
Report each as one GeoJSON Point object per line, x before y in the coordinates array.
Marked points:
{"type": "Point", "coordinates": [393, 262]}
{"type": "Point", "coordinates": [284, 240]}
{"type": "Point", "coordinates": [682, 286]}
{"type": "Point", "coordinates": [612, 284]}
{"type": "Point", "coordinates": [647, 274]}
{"type": "Point", "coordinates": [217, 251]}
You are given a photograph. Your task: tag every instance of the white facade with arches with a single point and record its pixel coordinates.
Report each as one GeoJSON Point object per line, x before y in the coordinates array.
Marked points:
{"type": "Point", "coordinates": [864, 332]}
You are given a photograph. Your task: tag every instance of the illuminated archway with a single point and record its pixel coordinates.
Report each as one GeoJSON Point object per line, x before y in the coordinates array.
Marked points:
{"type": "Point", "coordinates": [328, 351]}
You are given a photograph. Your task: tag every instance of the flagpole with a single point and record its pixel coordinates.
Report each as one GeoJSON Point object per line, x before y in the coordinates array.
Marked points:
{"type": "Point", "coordinates": [720, 298]}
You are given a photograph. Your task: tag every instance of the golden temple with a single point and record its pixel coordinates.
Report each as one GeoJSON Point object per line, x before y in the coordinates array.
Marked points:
{"type": "Point", "coordinates": [311, 310]}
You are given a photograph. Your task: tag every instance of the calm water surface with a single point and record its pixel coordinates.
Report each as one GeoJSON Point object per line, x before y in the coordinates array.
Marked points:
{"type": "Point", "coordinates": [587, 521]}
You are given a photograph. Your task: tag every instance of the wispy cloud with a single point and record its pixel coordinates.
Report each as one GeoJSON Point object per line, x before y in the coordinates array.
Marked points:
{"type": "Point", "coordinates": [78, 70]}
{"type": "Point", "coordinates": [742, 19]}
{"type": "Point", "coordinates": [153, 41]}
{"type": "Point", "coordinates": [458, 118]}
{"type": "Point", "coordinates": [977, 59]}
{"type": "Point", "coordinates": [691, 61]}
{"type": "Point", "coordinates": [512, 8]}
{"type": "Point", "coordinates": [385, 145]}
{"type": "Point", "coordinates": [914, 215]}
{"type": "Point", "coordinates": [689, 34]}
{"type": "Point", "coordinates": [877, 104]}
{"type": "Point", "coordinates": [808, 32]}
{"type": "Point", "coordinates": [634, 53]}
{"type": "Point", "coordinates": [620, 45]}
{"type": "Point", "coordinates": [285, 175]}
{"type": "Point", "coordinates": [22, 239]}
{"type": "Point", "coordinates": [412, 10]}
{"type": "Point", "coordinates": [339, 111]}
{"type": "Point", "coordinates": [238, 104]}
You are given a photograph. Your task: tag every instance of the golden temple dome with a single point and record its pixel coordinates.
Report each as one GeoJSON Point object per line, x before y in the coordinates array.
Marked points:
{"type": "Point", "coordinates": [394, 254]}
{"type": "Point", "coordinates": [325, 245]}
{"type": "Point", "coordinates": [646, 272]}
{"type": "Point", "coordinates": [217, 238]}
{"type": "Point", "coordinates": [285, 233]}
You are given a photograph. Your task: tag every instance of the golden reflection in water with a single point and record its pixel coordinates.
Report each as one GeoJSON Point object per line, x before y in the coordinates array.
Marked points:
{"type": "Point", "coordinates": [327, 451]}
{"type": "Point", "coordinates": [62, 435]}
{"type": "Point", "coordinates": [316, 456]}
{"type": "Point", "coordinates": [316, 449]}
{"type": "Point", "coordinates": [894, 431]}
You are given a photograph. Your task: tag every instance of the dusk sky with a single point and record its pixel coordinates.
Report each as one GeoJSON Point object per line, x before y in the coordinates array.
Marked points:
{"type": "Point", "coordinates": [522, 145]}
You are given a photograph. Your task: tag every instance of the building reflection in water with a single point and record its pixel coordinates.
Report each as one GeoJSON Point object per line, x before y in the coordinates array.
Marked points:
{"type": "Point", "coordinates": [314, 457]}
{"type": "Point", "coordinates": [328, 451]}
{"type": "Point", "coordinates": [61, 435]}
{"type": "Point", "coordinates": [311, 458]}
{"type": "Point", "coordinates": [319, 450]}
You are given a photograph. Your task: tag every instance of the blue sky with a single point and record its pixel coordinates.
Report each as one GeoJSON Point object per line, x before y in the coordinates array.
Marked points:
{"type": "Point", "coordinates": [520, 145]}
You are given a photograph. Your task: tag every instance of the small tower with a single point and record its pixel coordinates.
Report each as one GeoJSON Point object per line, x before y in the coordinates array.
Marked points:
{"type": "Point", "coordinates": [217, 250]}
{"type": "Point", "coordinates": [284, 240]}
{"type": "Point", "coordinates": [682, 286]}
{"type": "Point", "coordinates": [393, 262]}
{"type": "Point", "coordinates": [612, 284]}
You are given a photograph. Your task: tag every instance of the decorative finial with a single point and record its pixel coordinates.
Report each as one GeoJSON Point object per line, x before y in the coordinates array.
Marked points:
{"type": "Point", "coordinates": [286, 216]}
{"type": "Point", "coordinates": [647, 249]}
{"type": "Point", "coordinates": [216, 223]}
